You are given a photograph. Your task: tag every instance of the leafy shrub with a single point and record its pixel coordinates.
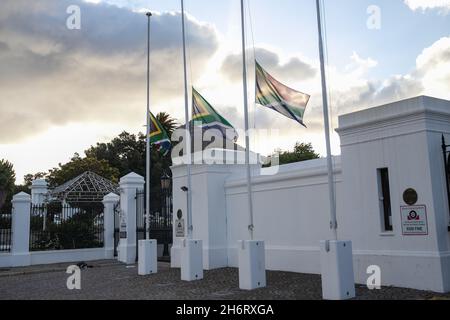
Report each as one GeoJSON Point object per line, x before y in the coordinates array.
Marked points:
{"type": "Point", "coordinates": [81, 230]}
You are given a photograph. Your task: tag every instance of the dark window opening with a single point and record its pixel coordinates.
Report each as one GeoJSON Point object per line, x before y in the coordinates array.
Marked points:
{"type": "Point", "coordinates": [385, 199]}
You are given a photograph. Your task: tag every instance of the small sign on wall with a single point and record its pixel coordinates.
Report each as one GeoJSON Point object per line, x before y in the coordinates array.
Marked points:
{"type": "Point", "coordinates": [414, 221]}
{"type": "Point", "coordinates": [180, 228]}
{"type": "Point", "coordinates": [179, 225]}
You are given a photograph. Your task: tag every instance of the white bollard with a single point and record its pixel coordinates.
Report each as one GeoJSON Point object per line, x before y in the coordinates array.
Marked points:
{"type": "Point", "coordinates": [336, 259]}
{"type": "Point", "coordinates": [148, 257]}
{"type": "Point", "coordinates": [192, 260]}
{"type": "Point", "coordinates": [252, 265]}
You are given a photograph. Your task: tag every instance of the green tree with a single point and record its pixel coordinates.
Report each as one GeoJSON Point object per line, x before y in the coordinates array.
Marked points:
{"type": "Point", "coordinates": [7, 180]}
{"type": "Point", "coordinates": [127, 153]}
{"type": "Point", "coordinates": [17, 189]}
{"type": "Point", "coordinates": [29, 178]}
{"type": "Point", "coordinates": [78, 232]}
{"type": "Point", "coordinates": [302, 152]}
{"type": "Point", "coordinates": [78, 166]}
{"type": "Point", "coordinates": [169, 123]}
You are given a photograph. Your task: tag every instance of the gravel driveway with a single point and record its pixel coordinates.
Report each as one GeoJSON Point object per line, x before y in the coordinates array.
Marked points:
{"type": "Point", "coordinates": [106, 280]}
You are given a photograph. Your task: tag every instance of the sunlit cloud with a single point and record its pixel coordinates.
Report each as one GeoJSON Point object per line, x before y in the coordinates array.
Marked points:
{"type": "Point", "coordinates": [442, 5]}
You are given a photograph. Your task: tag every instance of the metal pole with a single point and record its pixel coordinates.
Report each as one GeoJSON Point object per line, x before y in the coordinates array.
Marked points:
{"type": "Point", "coordinates": [188, 133]}
{"type": "Point", "coordinates": [148, 155]}
{"type": "Point", "coordinates": [247, 133]}
{"type": "Point", "coordinates": [333, 222]}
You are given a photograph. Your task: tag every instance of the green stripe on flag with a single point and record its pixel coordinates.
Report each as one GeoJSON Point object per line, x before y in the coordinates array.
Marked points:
{"type": "Point", "coordinates": [273, 94]}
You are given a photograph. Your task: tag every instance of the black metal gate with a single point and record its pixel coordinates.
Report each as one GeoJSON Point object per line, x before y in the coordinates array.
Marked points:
{"type": "Point", "coordinates": [161, 213]}
{"type": "Point", "coordinates": [116, 228]}
{"type": "Point", "coordinates": [140, 219]}
{"type": "Point", "coordinates": [5, 228]}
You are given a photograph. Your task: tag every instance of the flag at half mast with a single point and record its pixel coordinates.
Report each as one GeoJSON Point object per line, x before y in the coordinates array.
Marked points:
{"type": "Point", "coordinates": [206, 117]}
{"type": "Point", "coordinates": [158, 136]}
{"type": "Point", "coordinates": [273, 94]}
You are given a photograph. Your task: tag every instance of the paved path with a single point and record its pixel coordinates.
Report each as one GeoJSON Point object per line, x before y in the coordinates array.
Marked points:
{"type": "Point", "coordinates": [110, 280]}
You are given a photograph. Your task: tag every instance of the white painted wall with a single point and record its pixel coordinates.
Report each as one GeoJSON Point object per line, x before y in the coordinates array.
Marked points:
{"type": "Point", "coordinates": [59, 256]}
{"type": "Point", "coordinates": [292, 210]}
{"type": "Point", "coordinates": [406, 138]}
{"type": "Point", "coordinates": [20, 254]}
{"type": "Point", "coordinates": [209, 210]}
{"type": "Point", "coordinates": [287, 216]}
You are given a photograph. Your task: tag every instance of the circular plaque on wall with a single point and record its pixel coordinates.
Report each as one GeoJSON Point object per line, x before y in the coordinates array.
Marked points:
{"type": "Point", "coordinates": [410, 197]}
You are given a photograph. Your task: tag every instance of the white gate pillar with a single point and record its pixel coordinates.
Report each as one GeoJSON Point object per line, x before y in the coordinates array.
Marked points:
{"type": "Point", "coordinates": [128, 189]}
{"type": "Point", "coordinates": [109, 203]}
{"type": "Point", "coordinates": [20, 227]}
{"type": "Point", "coordinates": [39, 190]}
{"type": "Point", "coordinates": [209, 213]}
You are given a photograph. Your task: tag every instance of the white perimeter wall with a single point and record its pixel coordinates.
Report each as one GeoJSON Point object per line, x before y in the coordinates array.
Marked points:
{"type": "Point", "coordinates": [50, 257]}
{"type": "Point", "coordinates": [292, 207]}
{"type": "Point", "coordinates": [291, 212]}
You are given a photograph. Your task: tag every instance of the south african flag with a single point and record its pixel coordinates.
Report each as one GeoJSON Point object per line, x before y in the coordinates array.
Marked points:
{"type": "Point", "coordinates": [205, 116]}
{"type": "Point", "coordinates": [273, 94]}
{"type": "Point", "coordinates": [158, 136]}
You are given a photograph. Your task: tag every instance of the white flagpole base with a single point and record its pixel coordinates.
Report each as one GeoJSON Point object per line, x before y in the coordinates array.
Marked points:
{"type": "Point", "coordinates": [192, 260]}
{"type": "Point", "coordinates": [148, 257]}
{"type": "Point", "coordinates": [338, 280]}
{"type": "Point", "coordinates": [126, 253]}
{"type": "Point", "coordinates": [252, 265]}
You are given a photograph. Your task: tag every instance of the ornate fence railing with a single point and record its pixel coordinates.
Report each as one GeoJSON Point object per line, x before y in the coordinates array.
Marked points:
{"type": "Point", "coordinates": [116, 228]}
{"type": "Point", "coordinates": [161, 213]}
{"type": "Point", "coordinates": [55, 226]}
{"type": "Point", "coordinates": [5, 228]}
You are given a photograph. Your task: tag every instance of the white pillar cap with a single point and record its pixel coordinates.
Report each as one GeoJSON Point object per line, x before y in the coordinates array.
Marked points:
{"type": "Point", "coordinates": [21, 197]}
{"type": "Point", "coordinates": [132, 179]}
{"type": "Point", "coordinates": [111, 198]}
{"type": "Point", "coordinates": [39, 183]}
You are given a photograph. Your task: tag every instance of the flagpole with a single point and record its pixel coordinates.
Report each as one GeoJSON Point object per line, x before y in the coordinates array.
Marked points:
{"type": "Point", "coordinates": [148, 154]}
{"type": "Point", "coordinates": [247, 134]}
{"type": "Point", "coordinates": [333, 222]}
{"type": "Point", "coordinates": [188, 134]}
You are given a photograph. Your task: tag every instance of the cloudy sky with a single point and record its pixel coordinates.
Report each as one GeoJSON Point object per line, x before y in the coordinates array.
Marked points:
{"type": "Point", "coordinates": [63, 90]}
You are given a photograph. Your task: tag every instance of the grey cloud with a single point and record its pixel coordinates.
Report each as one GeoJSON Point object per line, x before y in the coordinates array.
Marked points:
{"type": "Point", "coordinates": [50, 75]}
{"type": "Point", "coordinates": [376, 93]}
{"type": "Point", "coordinates": [295, 69]}
{"type": "Point", "coordinates": [3, 47]}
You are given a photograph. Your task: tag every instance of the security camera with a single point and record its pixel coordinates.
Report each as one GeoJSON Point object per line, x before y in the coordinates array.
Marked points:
{"type": "Point", "coordinates": [185, 189]}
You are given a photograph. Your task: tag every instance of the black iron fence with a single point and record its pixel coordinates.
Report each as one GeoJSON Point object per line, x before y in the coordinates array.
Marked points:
{"type": "Point", "coordinates": [55, 226]}
{"type": "Point", "coordinates": [141, 223]}
{"type": "Point", "coordinates": [161, 214]}
{"type": "Point", "coordinates": [5, 227]}
{"type": "Point", "coordinates": [116, 227]}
